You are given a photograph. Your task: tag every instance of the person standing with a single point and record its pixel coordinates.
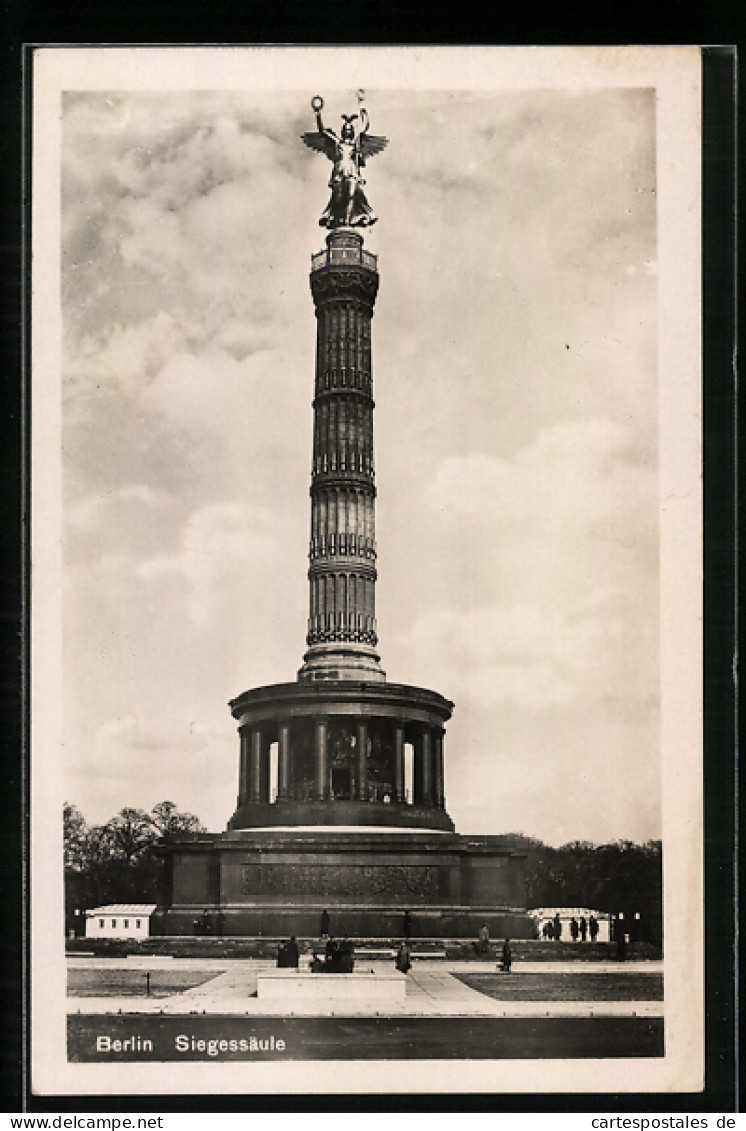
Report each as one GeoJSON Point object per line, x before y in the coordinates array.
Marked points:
{"type": "Point", "coordinates": [557, 927]}
{"type": "Point", "coordinates": [583, 928]}
{"type": "Point", "coordinates": [621, 942]}
{"type": "Point", "coordinates": [507, 957]}
{"type": "Point", "coordinates": [483, 946]}
{"type": "Point", "coordinates": [329, 953]}
{"type": "Point", "coordinates": [593, 927]}
{"type": "Point", "coordinates": [292, 954]}
{"type": "Point", "coordinates": [403, 960]}
{"type": "Point", "coordinates": [346, 956]}
{"type": "Point", "coordinates": [574, 929]}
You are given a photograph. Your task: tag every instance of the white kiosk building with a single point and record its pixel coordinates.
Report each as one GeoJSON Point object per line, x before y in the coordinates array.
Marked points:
{"type": "Point", "coordinates": [119, 921]}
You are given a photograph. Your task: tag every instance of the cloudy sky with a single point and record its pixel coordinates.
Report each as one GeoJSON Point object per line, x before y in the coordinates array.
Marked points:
{"type": "Point", "coordinates": [515, 374]}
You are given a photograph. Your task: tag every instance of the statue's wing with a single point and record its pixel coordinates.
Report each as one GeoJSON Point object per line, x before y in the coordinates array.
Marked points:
{"type": "Point", "coordinates": [371, 144]}
{"type": "Point", "coordinates": [320, 142]}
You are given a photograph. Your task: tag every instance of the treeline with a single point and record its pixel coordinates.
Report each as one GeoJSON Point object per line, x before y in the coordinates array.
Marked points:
{"type": "Point", "coordinates": [616, 877]}
{"type": "Point", "coordinates": [116, 862]}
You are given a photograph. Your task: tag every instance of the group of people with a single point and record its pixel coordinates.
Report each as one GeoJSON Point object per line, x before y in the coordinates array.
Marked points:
{"type": "Point", "coordinates": [339, 954]}
{"type": "Point", "coordinates": [579, 929]}
{"type": "Point", "coordinates": [339, 958]}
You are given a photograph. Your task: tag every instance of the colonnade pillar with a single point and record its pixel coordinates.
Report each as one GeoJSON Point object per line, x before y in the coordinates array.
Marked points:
{"type": "Point", "coordinates": [399, 763]}
{"type": "Point", "coordinates": [427, 766]}
{"type": "Point", "coordinates": [283, 761]}
{"type": "Point", "coordinates": [255, 765]}
{"type": "Point", "coordinates": [422, 767]}
{"type": "Point", "coordinates": [362, 760]}
{"type": "Point", "coordinates": [321, 760]}
{"type": "Point", "coordinates": [438, 777]}
{"type": "Point", "coordinates": [243, 768]}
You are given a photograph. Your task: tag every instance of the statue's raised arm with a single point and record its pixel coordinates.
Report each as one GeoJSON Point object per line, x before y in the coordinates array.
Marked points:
{"type": "Point", "coordinates": [348, 206]}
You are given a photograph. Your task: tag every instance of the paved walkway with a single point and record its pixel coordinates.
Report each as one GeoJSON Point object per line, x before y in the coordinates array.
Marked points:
{"type": "Point", "coordinates": [432, 991]}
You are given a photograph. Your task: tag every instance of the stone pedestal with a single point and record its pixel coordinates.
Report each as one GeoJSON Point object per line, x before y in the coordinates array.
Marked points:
{"type": "Point", "coordinates": [289, 987]}
{"type": "Point", "coordinates": [278, 882]}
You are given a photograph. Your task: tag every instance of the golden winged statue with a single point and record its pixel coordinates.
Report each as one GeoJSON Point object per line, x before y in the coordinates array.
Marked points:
{"type": "Point", "coordinates": [348, 206]}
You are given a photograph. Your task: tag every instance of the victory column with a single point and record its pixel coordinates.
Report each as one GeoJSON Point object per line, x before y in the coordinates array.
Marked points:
{"type": "Point", "coordinates": [352, 823]}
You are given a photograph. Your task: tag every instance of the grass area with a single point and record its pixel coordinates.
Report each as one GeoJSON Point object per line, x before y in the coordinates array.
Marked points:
{"type": "Point", "coordinates": [133, 983]}
{"type": "Point", "coordinates": [566, 987]}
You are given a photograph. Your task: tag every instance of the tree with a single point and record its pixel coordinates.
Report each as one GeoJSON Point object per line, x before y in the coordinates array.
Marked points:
{"type": "Point", "coordinates": [117, 862]}
{"type": "Point", "coordinates": [169, 822]}
{"type": "Point", "coordinates": [75, 838]}
{"type": "Point", "coordinates": [76, 857]}
{"type": "Point", "coordinates": [616, 877]}
{"type": "Point", "coordinates": [125, 836]}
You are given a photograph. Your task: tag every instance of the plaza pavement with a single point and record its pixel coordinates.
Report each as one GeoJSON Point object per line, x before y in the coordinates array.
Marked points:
{"type": "Point", "coordinates": [431, 991]}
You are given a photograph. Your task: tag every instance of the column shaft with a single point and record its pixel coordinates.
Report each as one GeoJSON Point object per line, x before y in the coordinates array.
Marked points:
{"type": "Point", "coordinates": [283, 761]}
{"type": "Point", "coordinates": [427, 762]}
{"type": "Point", "coordinates": [362, 761]}
{"type": "Point", "coordinates": [322, 771]}
{"type": "Point", "coordinates": [255, 766]}
{"type": "Point", "coordinates": [423, 779]}
{"type": "Point", "coordinates": [243, 769]}
{"type": "Point", "coordinates": [342, 486]}
{"type": "Point", "coordinates": [438, 783]}
{"type": "Point", "coordinates": [399, 763]}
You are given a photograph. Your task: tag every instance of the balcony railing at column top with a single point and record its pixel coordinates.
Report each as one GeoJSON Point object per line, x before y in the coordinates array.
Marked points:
{"type": "Point", "coordinates": [341, 256]}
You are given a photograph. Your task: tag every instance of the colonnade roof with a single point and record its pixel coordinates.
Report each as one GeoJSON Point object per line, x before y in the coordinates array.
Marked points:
{"type": "Point", "coordinates": [325, 697]}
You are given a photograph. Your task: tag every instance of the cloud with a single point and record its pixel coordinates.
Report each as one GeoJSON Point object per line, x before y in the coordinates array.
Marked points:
{"type": "Point", "coordinates": [573, 510]}
{"type": "Point", "coordinates": [573, 476]}
{"type": "Point", "coordinates": [223, 548]}
{"type": "Point", "coordinates": [89, 512]}
{"type": "Point", "coordinates": [533, 656]}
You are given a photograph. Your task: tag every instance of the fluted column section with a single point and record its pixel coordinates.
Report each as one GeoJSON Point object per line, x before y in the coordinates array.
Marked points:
{"type": "Point", "coordinates": [342, 634]}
